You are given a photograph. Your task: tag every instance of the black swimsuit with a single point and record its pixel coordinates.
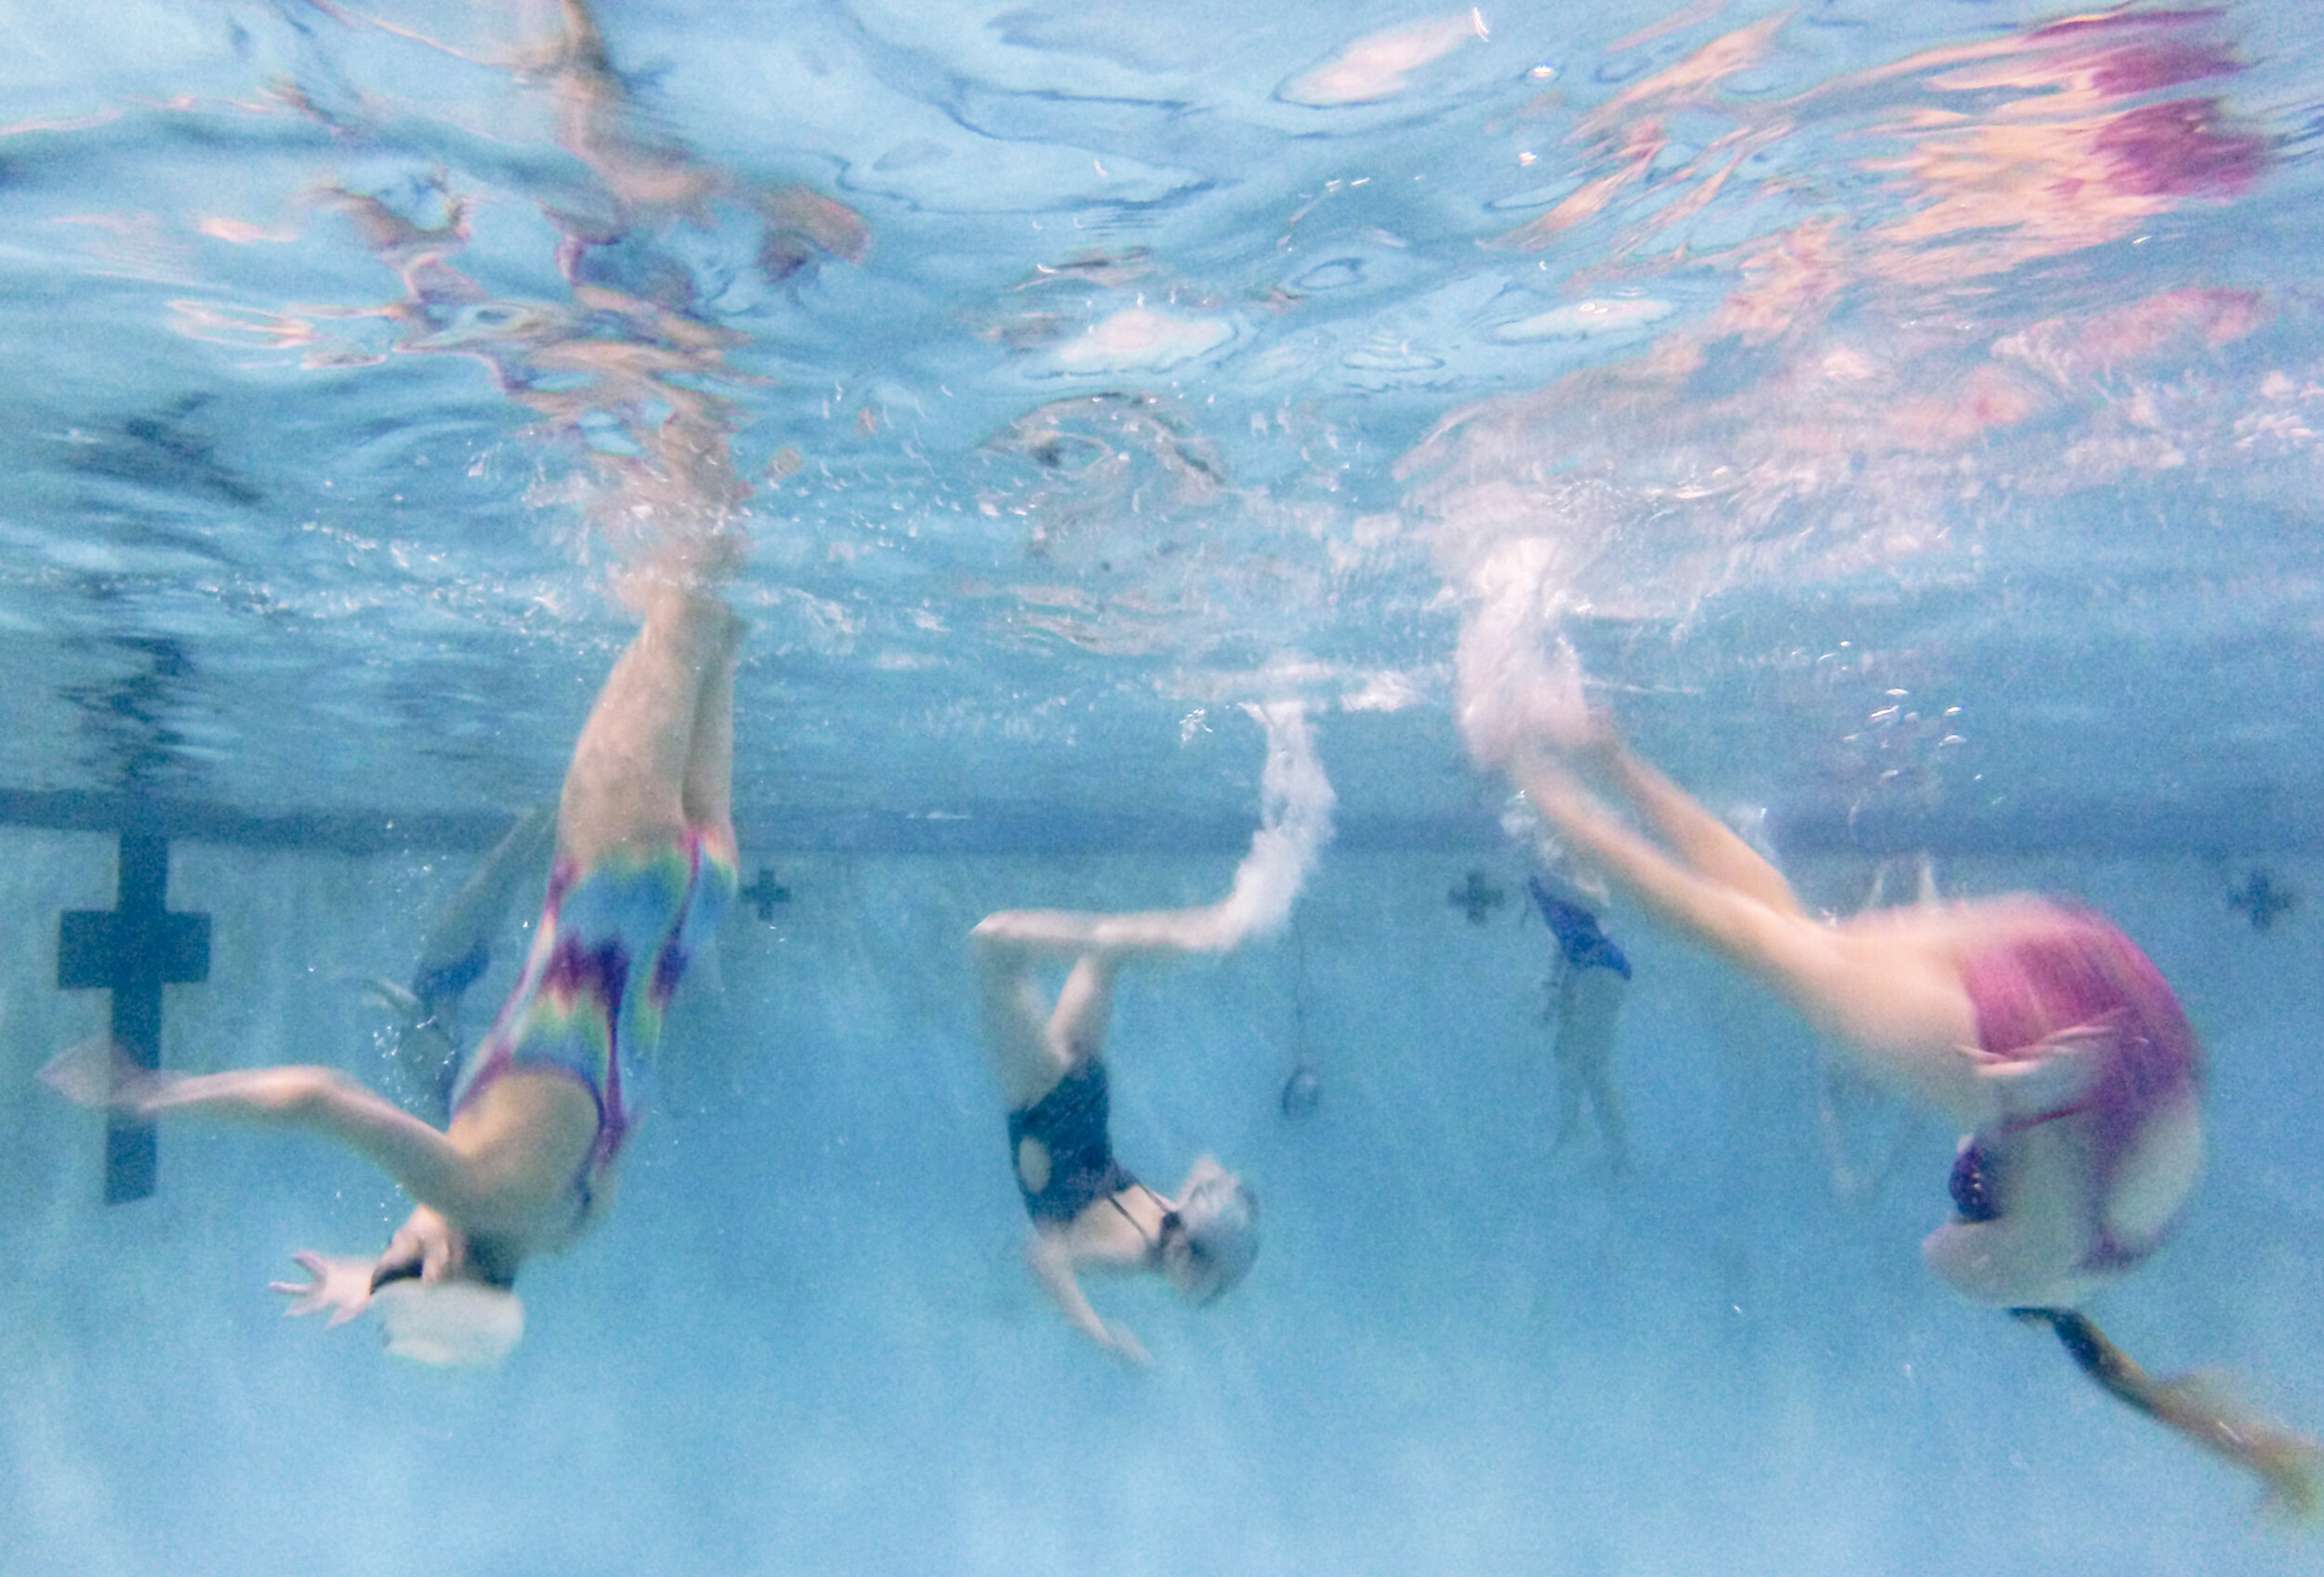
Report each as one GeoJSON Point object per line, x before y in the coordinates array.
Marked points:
{"type": "Point", "coordinates": [1070, 1123]}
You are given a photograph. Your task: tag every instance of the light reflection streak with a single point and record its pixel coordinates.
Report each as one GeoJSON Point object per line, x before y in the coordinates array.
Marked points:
{"type": "Point", "coordinates": [632, 372]}
{"type": "Point", "coordinates": [1861, 359]}
{"type": "Point", "coordinates": [2014, 149]}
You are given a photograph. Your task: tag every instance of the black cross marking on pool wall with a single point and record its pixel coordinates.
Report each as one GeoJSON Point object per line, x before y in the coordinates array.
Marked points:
{"type": "Point", "coordinates": [133, 950]}
{"type": "Point", "coordinates": [764, 894]}
{"type": "Point", "coordinates": [1476, 896]}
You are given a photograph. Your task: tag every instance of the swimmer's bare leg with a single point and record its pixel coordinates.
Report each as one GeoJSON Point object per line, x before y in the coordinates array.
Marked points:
{"type": "Point", "coordinates": [1022, 1028]}
{"type": "Point", "coordinates": [1899, 1007]}
{"type": "Point", "coordinates": [1115, 938]}
{"type": "Point", "coordinates": [1590, 1001]}
{"type": "Point", "coordinates": [1592, 1085]}
{"type": "Point", "coordinates": [708, 791]}
{"type": "Point", "coordinates": [1570, 1055]}
{"type": "Point", "coordinates": [1705, 844]}
{"type": "Point", "coordinates": [1726, 918]}
{"type": "Point", "coordinates": [1570, 1098]}
{"type": "Point", "coordinates": [498, 1173]}
{"type": "Point", "coordinates": [1612, 1130]}
{"type": "Point", "coordinates": [1033, 1045]}
{"type": "Point", "coordinates": [629, 774]}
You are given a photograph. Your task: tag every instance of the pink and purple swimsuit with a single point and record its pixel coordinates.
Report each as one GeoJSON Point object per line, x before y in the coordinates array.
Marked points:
{"type": "Point", "coordinates": [2080, 971]}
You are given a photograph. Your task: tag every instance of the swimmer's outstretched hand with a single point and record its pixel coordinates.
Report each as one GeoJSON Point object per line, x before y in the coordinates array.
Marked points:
{"type": "Point", "coordinates": [2051, 1076]}
{"type": "Point", "coordinates": [343, 1286]}
{"type": "Point", "coordinates": [1123, 1346]}
{"type": "Point", "coordinates": [1049, 1254]}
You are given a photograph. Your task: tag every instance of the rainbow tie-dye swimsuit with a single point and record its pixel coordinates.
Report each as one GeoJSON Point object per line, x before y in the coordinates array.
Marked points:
{"type": "Point", "coordinates": [613, 942]}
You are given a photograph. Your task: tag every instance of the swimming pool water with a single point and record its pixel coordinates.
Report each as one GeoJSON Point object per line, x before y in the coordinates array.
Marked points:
{"type": "Point", "coordinates": [1910, 413]}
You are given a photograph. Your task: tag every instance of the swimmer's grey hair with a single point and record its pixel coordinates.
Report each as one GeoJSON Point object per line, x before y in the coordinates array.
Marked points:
{"type": "Point", "coordinates": [1221, 1218]}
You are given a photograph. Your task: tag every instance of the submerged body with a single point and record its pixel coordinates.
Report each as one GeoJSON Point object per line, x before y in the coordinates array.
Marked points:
{"type": "Point", "coordinates": [525, 1163]}
{"type": "Point", "coordinates": [1088, 1212]}
{"type": "Point", "coordinates": [1588, 983]}
{"type": "Point", "coordinates": [2041, 1029]}
{"type": "Point", "coordinates": [2098, 1061]}
{"type": "Point", "coordinates": [612, 942]}
{"type": "Point", "coordinates": [454, 957]}
{"type": "Point", "coordinates": [1062, 1145]}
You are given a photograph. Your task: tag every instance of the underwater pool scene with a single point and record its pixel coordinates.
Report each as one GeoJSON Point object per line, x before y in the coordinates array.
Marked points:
{"type": "Point", "coordinates": [1191, 462]}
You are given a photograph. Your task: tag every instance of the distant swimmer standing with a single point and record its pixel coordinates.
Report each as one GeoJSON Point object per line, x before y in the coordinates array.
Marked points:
{"type": "Point", "coordinates": [2036, 1024]}
{"type": "Point", "coordinates": [1088, 1212]}
{"type": "Point", "coordinates": [542, 1108]}
{"type": "Point", "coordinates": [1586, 983]}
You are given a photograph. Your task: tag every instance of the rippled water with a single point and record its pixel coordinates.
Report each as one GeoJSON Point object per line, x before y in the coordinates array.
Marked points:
{"type": "Point", "coordinates": [1084, 368]}
{"type": "Point", "coordinates": [1909, 412]}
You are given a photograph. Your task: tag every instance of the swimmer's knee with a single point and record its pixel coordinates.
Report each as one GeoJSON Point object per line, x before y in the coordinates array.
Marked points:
{"type": "Point", "coordinates": [2154, 1177]}
{"type": "Point", "coordinates": [1990, 1264]}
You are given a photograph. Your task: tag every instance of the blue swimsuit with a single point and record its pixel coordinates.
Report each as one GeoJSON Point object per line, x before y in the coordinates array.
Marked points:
{"type": "Point", "coordinates": [1578, 939]}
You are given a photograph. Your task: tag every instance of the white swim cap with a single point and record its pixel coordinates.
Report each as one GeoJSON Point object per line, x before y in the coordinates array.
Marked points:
{"type": "Point", "coordinates": [1220, 1219]}
{"type": "Point", "coordinates": [456, 1323]}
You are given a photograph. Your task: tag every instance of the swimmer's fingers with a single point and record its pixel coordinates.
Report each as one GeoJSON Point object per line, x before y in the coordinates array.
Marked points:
{"type": "Point", "coordinates": [408, 1256]}
{"type": "Point", "coordinates": [343, 1286]}
{"type": "Point", "coordinates": [303, 1294]}
{"type": "Point", "coordinates": [425, 1242]}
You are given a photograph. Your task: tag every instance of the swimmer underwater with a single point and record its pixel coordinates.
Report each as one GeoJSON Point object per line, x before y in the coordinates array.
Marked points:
{"type": "Point", "coordinates": [1588, 981]}
{"type": "Point", "coordinates": [1088, 1212]}
{"type": "Point", "coordinates": [645, 865]}
{"type": "Point", "coordinates": [2034, 1025]}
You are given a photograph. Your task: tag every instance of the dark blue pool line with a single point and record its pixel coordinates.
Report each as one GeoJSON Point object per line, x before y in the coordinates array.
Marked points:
{"type": "Point", "coordinates": [2270, 824]}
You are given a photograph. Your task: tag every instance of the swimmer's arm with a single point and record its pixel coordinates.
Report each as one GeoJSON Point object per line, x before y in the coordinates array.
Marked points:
{"type": "Point", "coordinates": [2029, 1256]}
{"type": "Point", "coordinates": [2016, 1261]}
{"type": "Point", "coordinates": [421, 1158]}
{"type": "Point", "coordinates": [418, 1157]}
{"type": "Point", "coordinates": [1050, 1257]}
{"type": "Point", "coordinates": [425, 1242]}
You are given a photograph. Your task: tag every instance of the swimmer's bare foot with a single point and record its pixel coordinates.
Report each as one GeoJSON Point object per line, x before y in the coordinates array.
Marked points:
{"type": "Point", "coordinates": [1536, 706]}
